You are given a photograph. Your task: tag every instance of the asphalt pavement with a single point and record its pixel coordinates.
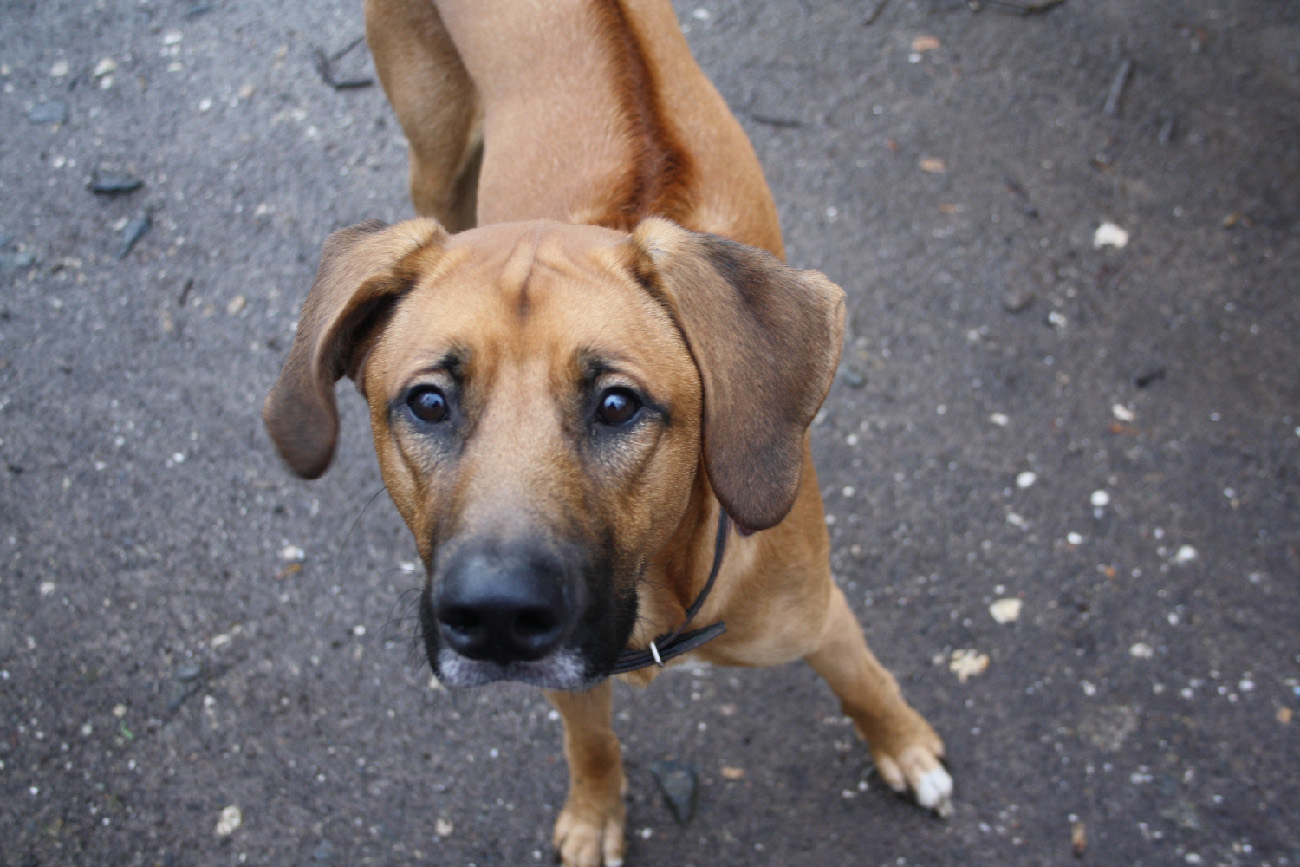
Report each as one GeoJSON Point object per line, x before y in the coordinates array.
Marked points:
{"type": "Point", "coordinates": [1061, 460]}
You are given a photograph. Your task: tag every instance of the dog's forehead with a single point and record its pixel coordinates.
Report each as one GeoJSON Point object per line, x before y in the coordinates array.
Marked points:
{"type": "Point", "coordinates": [533, 290]}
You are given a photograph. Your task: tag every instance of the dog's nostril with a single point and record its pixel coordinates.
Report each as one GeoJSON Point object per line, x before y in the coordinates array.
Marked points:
{"type": "Point", "coordinates": [536, 621]}
{"type": "Point", "coordinates": [460, 618]}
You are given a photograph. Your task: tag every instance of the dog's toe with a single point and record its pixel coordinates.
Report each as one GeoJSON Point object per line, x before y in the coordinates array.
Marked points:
{"type": "Point", "coordinates": [918, 769]}
{"type": "Point", "coordinates": [586, 838]}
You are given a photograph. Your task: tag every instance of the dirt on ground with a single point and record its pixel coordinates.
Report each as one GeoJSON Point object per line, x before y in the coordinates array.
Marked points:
{"type": "Point", "coordinates": [1061, 460]}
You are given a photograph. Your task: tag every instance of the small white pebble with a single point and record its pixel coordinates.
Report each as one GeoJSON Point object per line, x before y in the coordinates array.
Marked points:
{"type": "Point", "coordinates": [107, 66]}
{"type": "Point", "coordinates": [443, 827]}
{"type": "Point", "coordinates": [848, 491]}
{"type": "Point", "coordinates": [1026, 479]}
{"type": "Point", "coordinates": [1141, 650]}
{"type": "Point", "coordinates": [1088, 687]}
{"type": "Point", "coordinates": [1122, 413]}
{"type": "Point", "coordinates": [1015, 519]}
{"type": "Point", "coordinates": [701, 14]}
{"type": "Point", "coordinates": [1000, 419]}
{"type": "Point", "coordinates": [1100, 498]}
{"type": "Point", "coordinates": [172, 37]}
{"type": "Point", "coordinates": [1006, 610]}
{"type": "Point", "coordinates": [59, 69]}
{"type": "Point", "coordinates": [1074, 538]}
{"type": "Point", "coordinates": [229, 821]}
{"type": "Point", "coordinates": [1186, 554]}
{"type": "Point", "coordinates": [292, 552]}
{"type": "Point", "coordinates": [1109, 235]}
{"type": "Point", "coordinates": [47, 588]}
{"type": "Point", "coordinates": [220, 641]}
{"type": "Point", "coordinates": [119, 710]}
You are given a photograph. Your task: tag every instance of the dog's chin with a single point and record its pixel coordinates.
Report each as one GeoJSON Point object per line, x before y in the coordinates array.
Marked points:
{"type": "Point", "coordinates": [564, 669]}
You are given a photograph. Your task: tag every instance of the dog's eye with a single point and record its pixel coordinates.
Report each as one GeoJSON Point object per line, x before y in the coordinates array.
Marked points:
{"type": "Point", "coordinates": [617, 407]}
{"type": "Point", "coordinates": [428, 404]}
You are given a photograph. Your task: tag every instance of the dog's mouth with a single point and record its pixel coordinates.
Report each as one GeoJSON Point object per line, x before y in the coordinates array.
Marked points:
{"type": "Point", "coordinates": [564, 669]}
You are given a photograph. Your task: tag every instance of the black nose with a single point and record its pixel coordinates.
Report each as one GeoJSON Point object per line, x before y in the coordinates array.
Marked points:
{"type": "Point", "coordinates": [504, 607]}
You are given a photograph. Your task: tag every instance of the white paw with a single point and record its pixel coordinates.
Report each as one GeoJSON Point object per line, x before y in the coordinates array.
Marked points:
{"type": "Point", "coordinates": [934, 792]}
{"type": "Point", "coordinates": [918, 769]}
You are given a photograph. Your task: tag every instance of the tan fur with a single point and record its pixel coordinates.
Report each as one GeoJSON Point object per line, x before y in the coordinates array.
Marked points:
{"type": "Point", "coordinates": [590, 120]}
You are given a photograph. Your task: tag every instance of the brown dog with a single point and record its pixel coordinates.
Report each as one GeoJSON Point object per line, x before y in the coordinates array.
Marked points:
{"type": "Point", "coordinates": [568, 401]}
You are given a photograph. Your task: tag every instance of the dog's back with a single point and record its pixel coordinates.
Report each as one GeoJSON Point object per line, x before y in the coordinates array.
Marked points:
{"type": "Point", "coordinates": [593, 113]}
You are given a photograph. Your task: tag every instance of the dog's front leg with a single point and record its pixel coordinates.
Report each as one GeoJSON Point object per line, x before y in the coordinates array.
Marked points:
{"type": "Point", "coordinates": [907, 752]}
{"type": "Point", "coordinates": [589, 832]}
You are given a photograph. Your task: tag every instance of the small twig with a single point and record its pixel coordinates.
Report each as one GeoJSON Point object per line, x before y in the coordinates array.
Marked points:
{"type": "Point", "coordinates": [875, 13]}
{"type": "Point", "coordinates": [338, 55]}
{"type": "Point", "coordinates": [1016, 8]}
{"type": "Point", "coordinates": [325, 64]}
{"type": "Point", "coordinates": [779, 122]}
{"type": "Point", "coordinates": [1117, 87]}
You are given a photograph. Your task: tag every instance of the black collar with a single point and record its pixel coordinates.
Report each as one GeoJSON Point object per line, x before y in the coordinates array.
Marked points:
{"type": "Point", "coordinates": [678, 641]}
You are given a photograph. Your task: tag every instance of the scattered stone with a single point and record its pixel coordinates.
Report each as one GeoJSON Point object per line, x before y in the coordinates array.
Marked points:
{"type": "Point", "coordinates": [1078, 839]}
{"type": "Point", "coordinates": [131, 233]}
{"type": "Point", "coordinates": [933, 165]}
{"type": "Point", "coordinates": [1100, 499]}
{"type": "Point", "coordinates": [1122, 413]}
{"type": "Point", "coordinates": [730, 773]}
{"type": "Point", "coordinates": [1148, 377]}
{"type": "Point", "coordinates": [1284, 715]}
{"type": "Point", "coordinates": [229, 821]}
{"type": "Point", "coordinates": [968, 663]}
{"type": "Point", "coordinates": [1017, 300]}
{"type": "Point", "coordinates": [52, 112]}
{"type": "Point", "coordinates": [1109, 235]}
{"type": "Point", "coordinates": [108, 183]}
{"type": "Point", "coordinates": [236, 305]}
{"type": "Point", "coordinates": [59, 69]}
{"type": "Point", "coordinates": [1185, 555]}
{"type": "Point", "coordinates": [1006, 610]}
{"type": "Point", "coordinates": [1026, 479]}
{"type": "Point", "coordinates": [853, 378]}
{"type": "Point", "coordinates": [1108, 728]}
{"type": "Point", "coordinates": [443, 827]}
{"type": "Point", "coordinates": [292, 552]}
{"type": "Point", "coordinates": [1141, 650]}
{"type": "Point", "coordinates": [1000, 419]}
{"type": "Point", "coordinates": [925, 43]}
{"type": "Point", "coordinates": [107, 66]}
{"type": "Point", "coordinates": [679, 783]}
{"type": "Point", "coordinates": [188, 671]}
{"type": "Point", "coordinates": [17, 260]}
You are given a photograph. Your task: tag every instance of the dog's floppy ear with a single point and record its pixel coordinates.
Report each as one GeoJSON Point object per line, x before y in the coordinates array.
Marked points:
{"type": "Point", "coordinates": [362, 270]}
{"type": "Point", "coordinates": [766, 339]}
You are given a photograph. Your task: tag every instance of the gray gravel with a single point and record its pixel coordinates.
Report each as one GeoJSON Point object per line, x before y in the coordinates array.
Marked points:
{"type": "Point", "coordinates": [204, 661]}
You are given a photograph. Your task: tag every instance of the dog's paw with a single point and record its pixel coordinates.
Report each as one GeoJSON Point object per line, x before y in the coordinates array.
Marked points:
{"type": "Point", "coordinates": [589, 836]}
{"type": "Point", "coordinates": [918, 768]}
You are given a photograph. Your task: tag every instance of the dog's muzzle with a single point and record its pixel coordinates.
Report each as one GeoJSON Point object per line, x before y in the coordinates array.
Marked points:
{"type": "Point", "coordinates": [505, 614]}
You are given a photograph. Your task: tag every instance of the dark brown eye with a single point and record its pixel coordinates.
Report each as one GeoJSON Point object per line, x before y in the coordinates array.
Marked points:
{"type": "Point", "coordinates": [428, 404]}
{"type": "Point", "coordinates": [617, 407]}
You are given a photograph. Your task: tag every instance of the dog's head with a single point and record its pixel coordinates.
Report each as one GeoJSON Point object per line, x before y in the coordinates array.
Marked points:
{"type": "Point", "coordinates": [542, 397]}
